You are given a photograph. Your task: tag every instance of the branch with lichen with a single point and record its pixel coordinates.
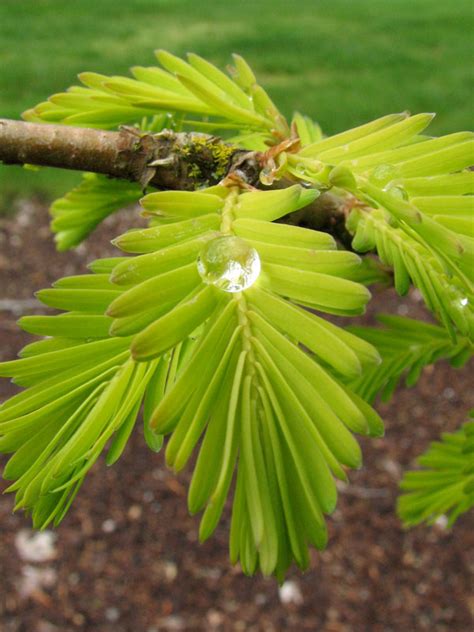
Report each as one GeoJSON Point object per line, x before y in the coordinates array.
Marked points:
{"type": "Point", "coordinates": [168, 160]}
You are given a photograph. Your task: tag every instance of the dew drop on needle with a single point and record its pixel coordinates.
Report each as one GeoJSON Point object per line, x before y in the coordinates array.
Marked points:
{"type": "Point", "coordinates": [229, 263]}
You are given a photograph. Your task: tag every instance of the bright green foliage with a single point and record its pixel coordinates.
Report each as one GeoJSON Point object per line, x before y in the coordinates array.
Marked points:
{"type": "Point", "coordinates": [191, 88]}
{"type": "Point", "coordinates": [419, 214]}
{"type": "Point", "coordinates": [406, 346]}
{"type": "Point", "coordinates": [450, 297]}
{"type": "Point", "coordinates": [281, 418]}
{"type": "Point", "coordinates": [266, 392]}
{"type": "Point", "coordinates": [78, 213]}
{"type": "Point", "coordinates": [445, 484]}
{"type": "Point", "coordinates": [59, 426]}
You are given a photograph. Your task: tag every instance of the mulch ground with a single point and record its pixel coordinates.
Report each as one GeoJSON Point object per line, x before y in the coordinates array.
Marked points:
{"type": "Point", "coordinates": [127, 557]}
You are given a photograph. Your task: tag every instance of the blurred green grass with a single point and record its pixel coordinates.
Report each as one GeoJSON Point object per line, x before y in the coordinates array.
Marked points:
{"type": "Point", "coordinates": [342, 62]}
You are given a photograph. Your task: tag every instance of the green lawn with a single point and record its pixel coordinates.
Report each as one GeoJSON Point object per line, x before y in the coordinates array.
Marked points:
{"type": "Point", "coordinates": [340, 61]}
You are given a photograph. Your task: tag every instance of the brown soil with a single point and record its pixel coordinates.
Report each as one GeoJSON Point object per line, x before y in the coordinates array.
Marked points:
{"type": "Point", "coordinates": [128, 559]}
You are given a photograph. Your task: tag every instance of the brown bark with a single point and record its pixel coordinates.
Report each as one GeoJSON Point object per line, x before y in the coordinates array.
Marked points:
{"type": "Point", "coordinates": [327, 213]}
{"type": "Point", "coordinates": [168, 160]}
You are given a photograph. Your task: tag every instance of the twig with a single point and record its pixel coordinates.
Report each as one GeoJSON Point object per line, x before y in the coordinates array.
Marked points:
{"type": "Point", "coordinates": [169, 160]}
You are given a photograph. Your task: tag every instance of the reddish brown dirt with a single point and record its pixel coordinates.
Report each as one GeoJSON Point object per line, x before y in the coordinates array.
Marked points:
{"type": "Point", "coordinates": [128, 559]}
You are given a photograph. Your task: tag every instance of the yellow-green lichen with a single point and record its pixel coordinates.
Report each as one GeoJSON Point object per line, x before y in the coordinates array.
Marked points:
{"type": "Point", "coordinates": [208, 159]}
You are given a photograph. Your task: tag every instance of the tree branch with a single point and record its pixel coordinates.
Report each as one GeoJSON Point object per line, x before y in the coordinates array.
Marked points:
{"type": "Point", "coordinates": [168, 160]}
{"type": "Point", "coordinates": [327, 213]}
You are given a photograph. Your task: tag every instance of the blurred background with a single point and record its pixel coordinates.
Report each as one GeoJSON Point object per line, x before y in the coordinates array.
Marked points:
{"type": "Point", "coordinates": [126, 559]}
{"type": "Point", "coordinates": [338, 61]}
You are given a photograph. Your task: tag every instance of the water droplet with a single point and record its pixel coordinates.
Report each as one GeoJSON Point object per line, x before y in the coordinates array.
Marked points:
{"type": "Point", "coordinates": [397, 191]}
{"type": "Point", "coordinates": [383, 173]}
{"type": "Point", "coordinates": [300, 170]}
{"type": "Point", "coordinates": [229, 263]}
{"type": "Point", "coordinates": [267, 175]}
